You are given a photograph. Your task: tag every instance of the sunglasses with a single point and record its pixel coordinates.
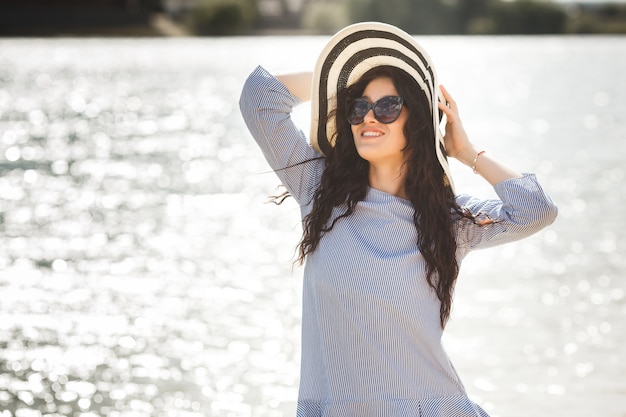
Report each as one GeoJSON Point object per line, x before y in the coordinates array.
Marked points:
{"type": "Point", "coordinates": [386, 110]}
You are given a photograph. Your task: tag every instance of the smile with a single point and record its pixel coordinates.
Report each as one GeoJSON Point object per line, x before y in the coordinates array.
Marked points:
{"type": "Point", "coordinates": [371, 134]}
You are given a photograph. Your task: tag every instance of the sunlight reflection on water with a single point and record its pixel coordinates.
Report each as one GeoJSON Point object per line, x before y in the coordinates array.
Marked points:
{"type": "Point", "coordinates": [141, 274]}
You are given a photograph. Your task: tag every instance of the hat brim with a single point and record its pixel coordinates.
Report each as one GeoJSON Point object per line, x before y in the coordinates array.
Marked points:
{"type": "Point", "coordinates": [352, 52]}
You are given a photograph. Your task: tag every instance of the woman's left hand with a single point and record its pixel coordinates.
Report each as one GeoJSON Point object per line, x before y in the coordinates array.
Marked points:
{"type": "Point", "coordinates": [455, 139]}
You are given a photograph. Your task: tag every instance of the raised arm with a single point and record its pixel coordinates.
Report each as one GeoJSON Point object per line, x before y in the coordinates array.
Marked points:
{"type": "Point", "coordinates": [523, 208]}
{"type": "Point", "coordinates": [458, 146]}
{"type": "Point", "coordinates": [266, 104]}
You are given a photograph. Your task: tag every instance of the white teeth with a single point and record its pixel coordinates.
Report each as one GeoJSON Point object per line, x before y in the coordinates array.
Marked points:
{"type": "Point", "coordinates": [371, 134]}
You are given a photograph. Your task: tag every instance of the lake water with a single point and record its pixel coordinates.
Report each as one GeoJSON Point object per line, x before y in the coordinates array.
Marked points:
{"type": "Point", "coordinates": [142, 273]}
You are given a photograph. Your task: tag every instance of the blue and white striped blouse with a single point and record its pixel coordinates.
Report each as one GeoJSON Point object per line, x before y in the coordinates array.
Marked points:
{"type": "Point", "coordinates": [371, 334]}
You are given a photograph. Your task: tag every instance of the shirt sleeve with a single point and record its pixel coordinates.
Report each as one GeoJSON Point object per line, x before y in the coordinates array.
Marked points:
{"type": "Point", "coordinates": [523, 208]}
{"type": "Point", "coordinates": [266, 106]}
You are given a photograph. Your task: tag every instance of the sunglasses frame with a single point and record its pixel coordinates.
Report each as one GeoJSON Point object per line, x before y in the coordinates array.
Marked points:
{"type": "Point", "coordinates": [372, 106]}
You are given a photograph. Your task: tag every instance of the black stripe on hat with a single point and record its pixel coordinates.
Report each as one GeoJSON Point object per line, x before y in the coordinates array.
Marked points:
{"type": "Point", "coordinates": [365, 54]}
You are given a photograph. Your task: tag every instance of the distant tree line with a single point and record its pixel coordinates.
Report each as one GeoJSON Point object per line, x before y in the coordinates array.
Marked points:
{"type": "Point", "coordinates": [78, 17]}
{"type": "Point", "coordinates": [232, 17]}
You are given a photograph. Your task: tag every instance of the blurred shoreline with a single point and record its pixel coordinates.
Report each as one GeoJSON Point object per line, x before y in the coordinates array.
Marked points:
{"type": "Point", "coordinates": [151, 18]}
{"type": "Point", "coordinates": [87, 23]}
{"type": "Point", "coordinates": [146, 25]}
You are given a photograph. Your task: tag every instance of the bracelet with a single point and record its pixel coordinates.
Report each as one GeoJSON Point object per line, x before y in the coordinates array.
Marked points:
{"type": "Point", "coordinates": [476, 159]}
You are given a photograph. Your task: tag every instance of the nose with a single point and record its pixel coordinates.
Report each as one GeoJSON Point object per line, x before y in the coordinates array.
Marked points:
{"type": "Point", "coordinates": [369, 116]}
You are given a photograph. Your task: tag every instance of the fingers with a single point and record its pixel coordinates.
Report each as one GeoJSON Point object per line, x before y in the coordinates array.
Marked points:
{"type": "Point", "coordinates": [446, 94]}
{"type": "Point", "coordinates": [451, 115]}
{"type": "Point", "coordinates": [444, 108]}
{"type": "Point", "coordinates": [449, 108]}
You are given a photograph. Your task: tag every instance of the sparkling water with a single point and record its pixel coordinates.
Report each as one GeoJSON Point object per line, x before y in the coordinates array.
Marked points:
{"type": "Point", "coordinates": [143, 274]}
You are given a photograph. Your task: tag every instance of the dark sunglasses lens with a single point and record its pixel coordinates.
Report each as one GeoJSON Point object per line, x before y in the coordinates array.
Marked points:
{"type": "Point", "coordinates": [358, 110]}
{"type": "Point", "coordinates": [388, 109]}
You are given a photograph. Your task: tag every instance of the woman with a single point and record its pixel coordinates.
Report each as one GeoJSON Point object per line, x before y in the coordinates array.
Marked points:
{"type": "Point", "coordinates": [383, 231]}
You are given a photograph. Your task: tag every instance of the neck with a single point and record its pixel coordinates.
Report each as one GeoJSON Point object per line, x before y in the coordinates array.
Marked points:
{"type": "Point", "coordinates": [389, 179]}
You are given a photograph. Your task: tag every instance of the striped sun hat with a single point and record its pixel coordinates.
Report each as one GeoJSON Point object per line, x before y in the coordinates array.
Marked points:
{"type": "Point", "coordinates": [351, 53]}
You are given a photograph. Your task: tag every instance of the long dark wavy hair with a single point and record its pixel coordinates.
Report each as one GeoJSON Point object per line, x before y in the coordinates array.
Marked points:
{"type": "Point", "coordinates": [345, 182]}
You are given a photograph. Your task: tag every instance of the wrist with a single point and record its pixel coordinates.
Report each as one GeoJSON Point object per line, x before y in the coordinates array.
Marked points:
{"type": "Point", "coordinates": [475, 161]}
{"type": "Point", "coordinates": [467, 155]}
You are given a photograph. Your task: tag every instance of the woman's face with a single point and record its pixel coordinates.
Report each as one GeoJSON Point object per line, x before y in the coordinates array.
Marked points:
{"type": "Point", "coordinates": [376, 142]}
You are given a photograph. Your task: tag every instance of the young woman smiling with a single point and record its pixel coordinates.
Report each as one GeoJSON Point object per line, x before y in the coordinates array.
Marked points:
{"type": "Point", "coordinates": [384, 232]}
